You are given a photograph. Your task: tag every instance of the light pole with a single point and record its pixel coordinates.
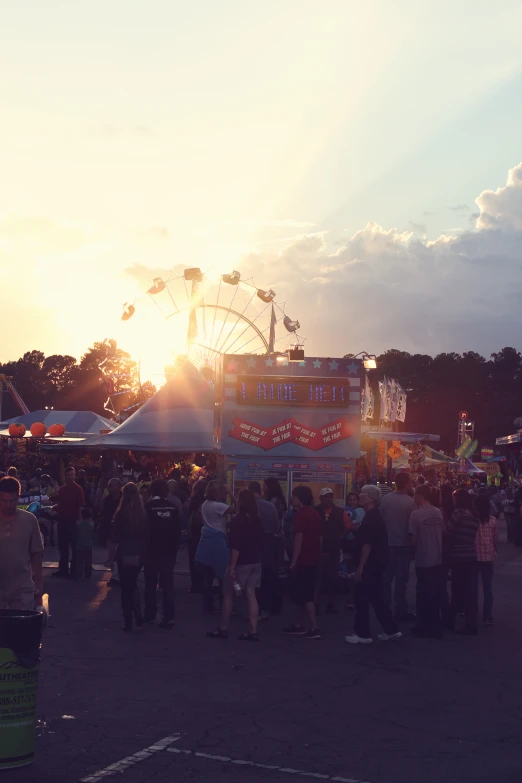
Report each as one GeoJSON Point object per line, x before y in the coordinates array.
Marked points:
{"type": "Point", "coordinates": [466, 428]}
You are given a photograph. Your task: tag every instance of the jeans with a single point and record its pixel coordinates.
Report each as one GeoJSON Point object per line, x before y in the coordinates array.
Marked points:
{"type": "Point", "coordinates": [486, 572]}
{"type": "Point", "coordinates": [398, 569]}
{"type": "Point", "coordinates": [464, 586]}
{"type": "Point", "coordinates": [66, 545]}
{"type": "Point", "coordinates": [428, 599]}
{"type": "Point", "coordinates": [269, 594]}
{"type": "Point", "coordinates": [196, 580]}
{"type": "Point", "coordinates": [444, 601]}
{"type": "Point", "coordinates": [83, 563]}
{"type": "Point", "coordinates": [159, 569]}
{"type": "Point", "coordinates": [327, 575]}
{"type": "Point", "coordinates": [208, 576]}
{"type": "Point", "coordinates": [289, 545]}
{"type": "Point", "coordinates": [510, 523]}
{"type": "Point", "coordinates": [130, 596]}
{"type": "Point", "coordinates": [370, 591]}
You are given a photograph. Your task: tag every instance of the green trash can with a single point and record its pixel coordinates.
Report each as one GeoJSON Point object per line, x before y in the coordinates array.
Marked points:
{"type": "Point", "coordinates": [20, 637]}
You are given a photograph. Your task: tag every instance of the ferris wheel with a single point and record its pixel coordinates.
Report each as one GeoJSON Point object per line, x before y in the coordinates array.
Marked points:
{"type": "Point", "coordinates": [203, 316]}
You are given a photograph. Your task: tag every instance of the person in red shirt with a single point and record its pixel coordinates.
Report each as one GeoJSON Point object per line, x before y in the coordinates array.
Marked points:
{"type": "Point", "coordinates": [69, 506]}
{"type": "Point", "coordinates": [305, 557]}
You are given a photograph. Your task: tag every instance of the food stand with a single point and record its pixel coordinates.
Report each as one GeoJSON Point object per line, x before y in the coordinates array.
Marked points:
{"type": "Point", "coordinates": [298, 422]}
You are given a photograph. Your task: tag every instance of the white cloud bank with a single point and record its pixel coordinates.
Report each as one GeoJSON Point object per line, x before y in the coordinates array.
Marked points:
{"type": "Point", "coordinates": [384, 288]}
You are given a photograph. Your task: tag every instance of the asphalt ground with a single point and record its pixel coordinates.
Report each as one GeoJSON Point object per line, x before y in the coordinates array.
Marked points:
{"type": "Point", "coordinates": [410, 711]}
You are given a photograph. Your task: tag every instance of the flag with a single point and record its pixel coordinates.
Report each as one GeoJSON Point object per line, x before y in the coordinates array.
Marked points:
{"type": "Point", "coordinates": [386, 399]}
{"type": "Point", "coordinates": [470, 450]}
{"type": "Point", "coordinates": [271, 339]}
{"type": "Point", "coordinates": [368, 401]}
{"type": "Point", "coordinates": [384, 390]}
{"type": "Point", "coordinates": [393, 394]}
{"type": "Point", "coordinates": [459, 452]}
{"type": "Point", "coordinates": [401, 403]}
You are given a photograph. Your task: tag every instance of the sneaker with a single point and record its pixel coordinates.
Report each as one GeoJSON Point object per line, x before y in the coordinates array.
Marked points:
{"type": "Point", "coordinates": [295, 630]}
{"type": "Point", "coordinates": [313, 634]}
{"type": "Point", "coordinates": [264, 615]}
{"type": "Point", "coordinates": [488, 622]}
{"type": "Point", "coordinates": [353, 638]}
{"type": "Point", "coordinates": [349, 606]}
{"type": "Point", "coordinates": [389, 637]}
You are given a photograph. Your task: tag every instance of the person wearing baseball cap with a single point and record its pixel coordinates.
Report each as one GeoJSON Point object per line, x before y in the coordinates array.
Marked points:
{"type": "Point", "coordinates": [335, 524]}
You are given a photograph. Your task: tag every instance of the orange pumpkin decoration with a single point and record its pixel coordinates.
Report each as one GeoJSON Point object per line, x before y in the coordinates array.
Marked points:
{"type": "Point", "coordinates": [56, 430]}
{"type": "Point", "coordinates": [38, 429]}
{"type": "Point", "coordinates": [17, 430]}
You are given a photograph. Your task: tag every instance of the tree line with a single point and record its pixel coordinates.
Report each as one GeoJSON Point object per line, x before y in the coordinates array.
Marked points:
{"type": "Point", "coordinates": [490, 390]}
{"type": "Point", "coordinates": [439, 387]}
{"type": "Point", "coordinates": [63, 383]}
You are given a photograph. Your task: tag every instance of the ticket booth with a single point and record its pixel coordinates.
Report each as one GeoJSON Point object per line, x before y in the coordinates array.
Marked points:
{"type": "Point", "coordinates": [298, 422]}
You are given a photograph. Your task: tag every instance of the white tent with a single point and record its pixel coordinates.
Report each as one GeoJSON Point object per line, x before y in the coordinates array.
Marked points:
{"type": "Point", "coordinates": [76, 423]}
{"type": "Point", "coordinates": [180, 417]}
{"type": "Point", "coordinates": [402, 462]}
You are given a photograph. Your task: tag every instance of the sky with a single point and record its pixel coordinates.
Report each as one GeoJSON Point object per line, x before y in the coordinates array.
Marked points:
{"type": "Point", "coordinates": [363, 160]}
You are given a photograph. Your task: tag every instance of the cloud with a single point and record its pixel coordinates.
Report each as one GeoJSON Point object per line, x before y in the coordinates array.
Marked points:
{"type": "Point", "coordinates": [459, 208]}
{"type": "Point", "coordinates": [418, 228]}
{"type": "Point", "coordinates": [384, 288]}
{"type": "Point", "coordinates": [502, 208]}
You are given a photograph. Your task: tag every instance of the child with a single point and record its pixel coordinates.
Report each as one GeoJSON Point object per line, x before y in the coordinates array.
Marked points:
{"type": "Point", "coordinates": [84, 537]}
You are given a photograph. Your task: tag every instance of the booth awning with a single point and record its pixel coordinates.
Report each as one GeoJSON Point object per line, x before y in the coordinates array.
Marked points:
{"type": "Point", "coordinates": [404, 437]}
{"type": "Point", "coordinates": [469, 467]}
{"type": "Point", "coordinates": [508, 439]}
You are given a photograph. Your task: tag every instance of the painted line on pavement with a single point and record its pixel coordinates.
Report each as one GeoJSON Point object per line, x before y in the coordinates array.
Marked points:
{"type": "Point", "coordinates": [272, 767]}
{"type": "Point", "coordinates": [129, 761]}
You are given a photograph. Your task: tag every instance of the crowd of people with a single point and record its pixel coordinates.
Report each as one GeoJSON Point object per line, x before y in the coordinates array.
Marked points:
{"type": "Point", "coordinates": [253, 545]}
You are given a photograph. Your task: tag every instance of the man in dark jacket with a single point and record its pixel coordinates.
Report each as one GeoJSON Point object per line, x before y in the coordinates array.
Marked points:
{"type": "Point", "coordinates": [165, 536]}
{"type": "Point", "coordinates": [336, 522]}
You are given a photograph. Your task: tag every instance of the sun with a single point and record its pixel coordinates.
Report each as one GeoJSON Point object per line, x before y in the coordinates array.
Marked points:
{"type": "Point", "coordinates": [155, 343]}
